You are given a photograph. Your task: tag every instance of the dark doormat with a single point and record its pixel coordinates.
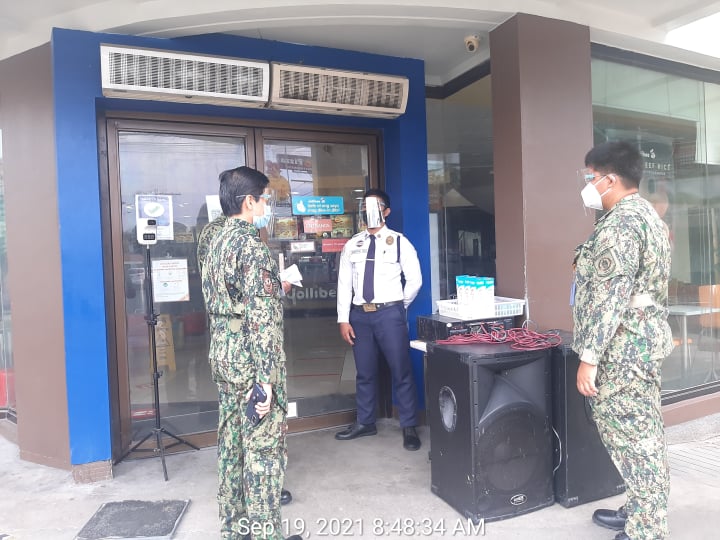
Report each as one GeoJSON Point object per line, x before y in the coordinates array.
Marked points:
{"type": "Point", "coordinates": [148, 520]}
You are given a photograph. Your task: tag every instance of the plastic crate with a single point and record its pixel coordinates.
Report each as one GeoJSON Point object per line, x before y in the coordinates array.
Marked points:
{"type": "Point", "coordinates": [504, 307]}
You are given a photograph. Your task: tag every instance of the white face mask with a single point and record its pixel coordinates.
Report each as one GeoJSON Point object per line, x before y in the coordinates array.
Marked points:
{"type": "Point", "coordinates": [591, 197]}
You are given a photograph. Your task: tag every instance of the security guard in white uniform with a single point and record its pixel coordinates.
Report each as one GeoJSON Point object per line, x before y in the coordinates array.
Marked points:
{"type": "Point", "coordinates": [372, 314]}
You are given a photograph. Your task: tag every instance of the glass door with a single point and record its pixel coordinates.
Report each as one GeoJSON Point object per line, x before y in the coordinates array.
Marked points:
{"type": "Point", "coordinates": [318, 181]}
{"type": "Point", "coordinates": [168, 172]}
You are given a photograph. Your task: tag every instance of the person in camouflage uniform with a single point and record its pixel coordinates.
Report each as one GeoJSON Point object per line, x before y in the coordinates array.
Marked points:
{"type": "Point", "coordinates": [622, 335]}
{"type": "Point", "coordinates": [208, 232]}
{"type": "Point", "coordinates": [241, 287]}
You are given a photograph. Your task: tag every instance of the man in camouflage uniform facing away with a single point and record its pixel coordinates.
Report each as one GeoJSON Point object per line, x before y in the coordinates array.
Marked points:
{"type": "Point", "coordinates": [622, 335]}
{"type": "Point", "coordinates": [241, 288]}
{"type": "Point", "coordinates": [209, 231]}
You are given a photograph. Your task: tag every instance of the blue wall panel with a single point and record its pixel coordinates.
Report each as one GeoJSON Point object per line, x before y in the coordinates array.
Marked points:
{"type": "Point", "coordinates": [75, 64]}
{"type": "Point", "coordinates": [407, 185]}
{"type": "Point", "coordinates": [78, 102]}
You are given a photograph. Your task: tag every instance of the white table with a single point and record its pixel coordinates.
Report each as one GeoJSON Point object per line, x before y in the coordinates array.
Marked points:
{"type": "Point", "coordinates": [418, 345]}
{"type": "Point", "coordinates": [683, 311]}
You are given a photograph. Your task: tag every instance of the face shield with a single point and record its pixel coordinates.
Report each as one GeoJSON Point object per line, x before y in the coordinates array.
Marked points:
{"type": "Point", "coordinates": [583, 177]}
{"type": "Point", "coordinates": [371, 212]}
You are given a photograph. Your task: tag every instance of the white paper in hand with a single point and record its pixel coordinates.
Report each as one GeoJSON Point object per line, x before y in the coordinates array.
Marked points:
{"type": "Point", "coordinates": [292, 275]}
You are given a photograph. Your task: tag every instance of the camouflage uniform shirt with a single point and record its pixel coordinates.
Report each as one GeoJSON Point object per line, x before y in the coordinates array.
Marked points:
{"type": "Point", "coordinates": [627, 256]}
{"type": "Point", "coordinates": [208, 232]}
{"type": "Point", "coordinates": [242, 295]}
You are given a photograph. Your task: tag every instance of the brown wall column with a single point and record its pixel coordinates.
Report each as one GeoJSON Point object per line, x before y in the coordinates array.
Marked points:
{"type": "Point", "coordinates": [33, 250]}
{"type": "Point", "coordinates": [542, 128]}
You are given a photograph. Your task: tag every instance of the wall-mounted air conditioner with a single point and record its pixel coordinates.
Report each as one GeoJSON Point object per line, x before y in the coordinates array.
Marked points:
{"type": "Point", "coordinates": [332, 91]}
{"type": "Point", "coordinates": [134, 73]}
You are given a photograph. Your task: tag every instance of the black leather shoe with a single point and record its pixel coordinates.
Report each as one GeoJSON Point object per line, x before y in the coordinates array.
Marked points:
{"type": "Point", "coordinates": [411, 441]}
{"type": "Point", "coordinates": [285, 497]}
{"type": "Point", "coordinates": [356, 430]}
{"type": "Point", "coordinates": [610, 519]}
{"type": "Point", "coordinates": [622, 536]}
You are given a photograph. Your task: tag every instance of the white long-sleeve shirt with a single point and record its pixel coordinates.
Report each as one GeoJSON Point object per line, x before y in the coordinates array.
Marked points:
{"type": "Point", "coordinates": [389, 265]}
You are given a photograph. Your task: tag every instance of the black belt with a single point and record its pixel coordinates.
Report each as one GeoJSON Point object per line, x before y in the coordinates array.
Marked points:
{"type": "Point", "coordinates": [367, 308]}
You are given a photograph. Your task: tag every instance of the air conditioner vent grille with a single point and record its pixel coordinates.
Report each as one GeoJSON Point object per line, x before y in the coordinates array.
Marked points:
{"type": "Point", "coordinates": [338, 92]}
{"type": "Point", "coordinates": [188, 75]}
{"type": "Point", "coordinates": [150, 74]}
{"type": "Point", "coordinates": [341, 90]}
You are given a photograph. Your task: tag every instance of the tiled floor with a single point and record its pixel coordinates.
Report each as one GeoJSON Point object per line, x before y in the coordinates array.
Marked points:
{"type": "Point", "coordinates": [699, 461]}
{"type": "Point", "coordinates": [366, 485]}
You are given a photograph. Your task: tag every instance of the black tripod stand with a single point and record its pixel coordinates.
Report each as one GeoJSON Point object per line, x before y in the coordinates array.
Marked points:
{"type": "Point", "coordinates": [158, 431]}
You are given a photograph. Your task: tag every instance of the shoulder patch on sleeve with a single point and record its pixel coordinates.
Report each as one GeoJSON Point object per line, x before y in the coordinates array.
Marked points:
{"type": "Point", "coordinates": [607, 263]}
{"type": "Point", "coordinates": [267, 281]}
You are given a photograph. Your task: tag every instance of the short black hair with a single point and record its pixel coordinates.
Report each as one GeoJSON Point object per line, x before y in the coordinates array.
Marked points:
{"type": "Point", "coordinates": [236, 183]}
{"type": "Point", "coordinates": [619, 157]}
{"type": "Point", "coordinates": [380, 194]}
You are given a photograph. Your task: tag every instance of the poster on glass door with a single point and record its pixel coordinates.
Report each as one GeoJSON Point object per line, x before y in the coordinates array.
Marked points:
{"type": "Point", "coordinates": [159, 208]}
{"type": "Point", "coordinates": [214, 208]}
{"type": "Point", "coordinates": [170, 280]}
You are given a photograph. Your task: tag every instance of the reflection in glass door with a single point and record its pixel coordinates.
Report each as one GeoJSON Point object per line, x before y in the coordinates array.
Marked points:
{"type": "Point", "coordinates": [176, 172]}
{"type": "Point", "coordinates": [318, 186]}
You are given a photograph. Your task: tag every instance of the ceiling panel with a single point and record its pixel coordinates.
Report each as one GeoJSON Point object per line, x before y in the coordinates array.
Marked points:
{"type": "Point", "coordinates": [434, 33]}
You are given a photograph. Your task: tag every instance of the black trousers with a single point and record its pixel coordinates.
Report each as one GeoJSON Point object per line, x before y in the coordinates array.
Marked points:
{"type": "Point", "coordinates": [384, 331]}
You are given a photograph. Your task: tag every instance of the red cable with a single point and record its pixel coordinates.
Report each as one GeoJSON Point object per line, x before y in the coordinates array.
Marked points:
{"type": "Point", "coordinates": [522, 339]}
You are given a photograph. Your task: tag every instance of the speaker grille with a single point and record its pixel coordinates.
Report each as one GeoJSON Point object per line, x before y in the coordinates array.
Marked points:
{"type": "Point", "coordinates": [509, 450]}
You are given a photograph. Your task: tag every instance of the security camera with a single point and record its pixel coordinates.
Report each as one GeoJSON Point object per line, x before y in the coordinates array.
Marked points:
{"type": "Point", "coordinates": [472, 43]}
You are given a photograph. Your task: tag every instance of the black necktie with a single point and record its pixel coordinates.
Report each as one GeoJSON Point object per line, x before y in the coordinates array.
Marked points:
{"type": "Point", "coordinates": [369, 276]}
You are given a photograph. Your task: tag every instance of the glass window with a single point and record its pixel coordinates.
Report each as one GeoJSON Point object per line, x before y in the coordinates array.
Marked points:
{"type": "Point", "coordinates": [7, 381]}
{"type": "Point", "coordinates": [675, 122]}
{"type": "Point", "coordinates": [460, 173]}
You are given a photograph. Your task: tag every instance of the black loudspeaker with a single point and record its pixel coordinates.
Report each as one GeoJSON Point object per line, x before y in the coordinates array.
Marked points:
{"type": "Point", "coordinates": [490, 429]}
{"type": "Point", "coordinates": [584, 471]}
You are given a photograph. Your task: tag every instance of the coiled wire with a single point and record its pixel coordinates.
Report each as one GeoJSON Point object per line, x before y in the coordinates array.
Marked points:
{"type": "Point", "coordinates": [522, 338]}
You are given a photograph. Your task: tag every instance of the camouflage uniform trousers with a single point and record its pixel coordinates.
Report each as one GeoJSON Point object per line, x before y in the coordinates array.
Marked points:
{"type": "Point", "coordinates": [251, 468]}
{"type": "Point", "coordinates": [629, 419]}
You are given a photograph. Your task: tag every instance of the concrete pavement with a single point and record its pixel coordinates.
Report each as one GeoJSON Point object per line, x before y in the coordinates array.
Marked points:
{"type": "Point", "coordinates": [344, 489]}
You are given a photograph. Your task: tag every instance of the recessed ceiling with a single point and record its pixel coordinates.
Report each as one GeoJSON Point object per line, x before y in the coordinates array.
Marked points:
{"type": "Point", "coordinates": [405, 28]}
